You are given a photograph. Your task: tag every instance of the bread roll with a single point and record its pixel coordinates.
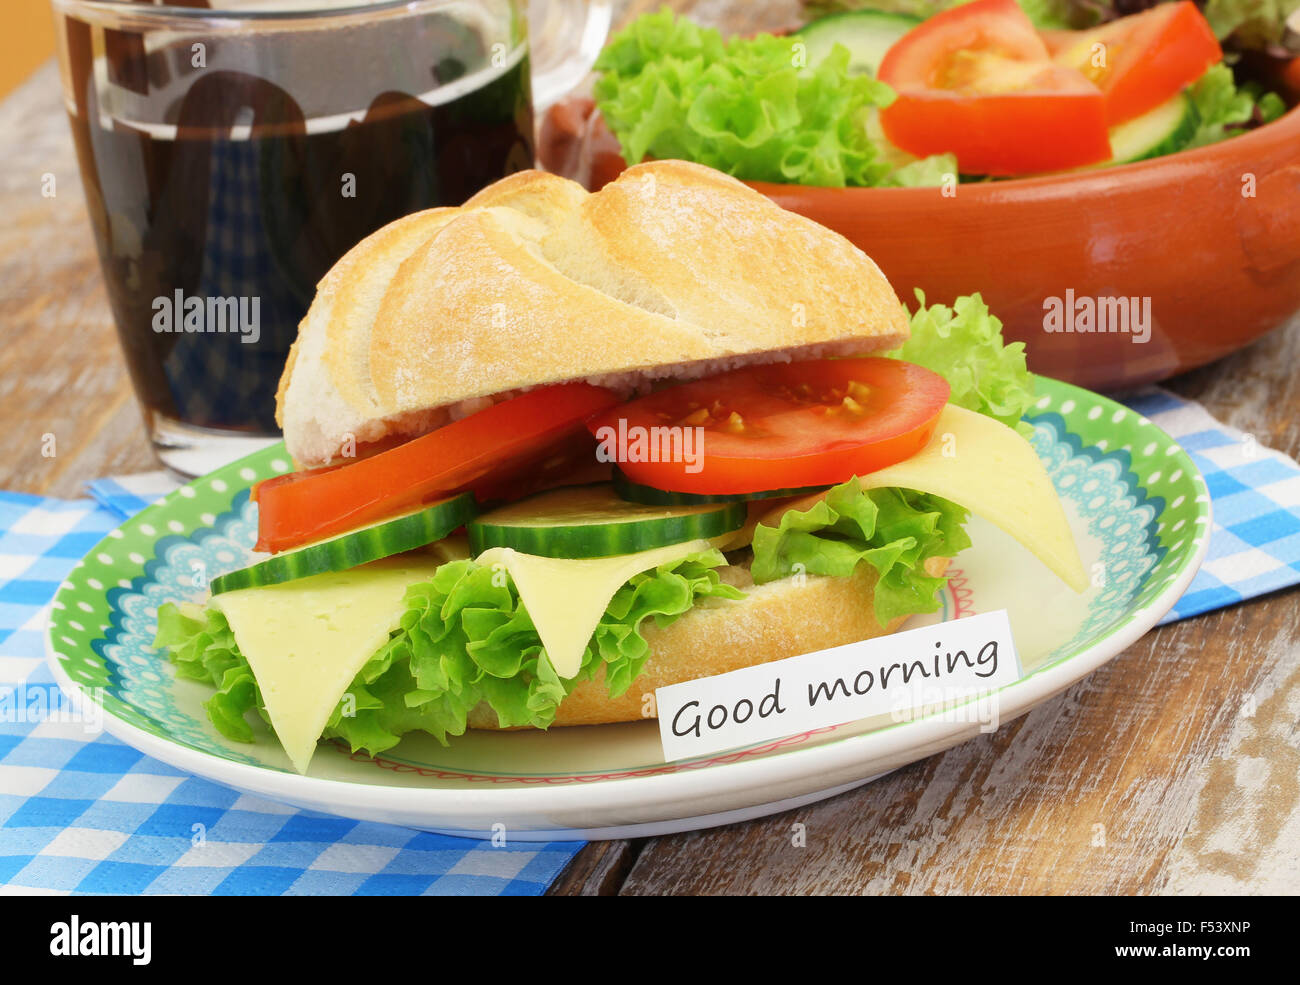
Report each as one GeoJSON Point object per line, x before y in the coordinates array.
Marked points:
{"type": "Point", "coordinates": [780, 619]}
{"type": "Point", "coordinates": [674, 270]}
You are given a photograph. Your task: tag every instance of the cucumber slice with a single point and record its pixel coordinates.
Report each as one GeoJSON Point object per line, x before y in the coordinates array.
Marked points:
{"type": "Point", "coordinates": [634, 492]}
{"type": "Point", "coordinates": [592, 521]}
{"type": "Point", "coordinates": [379, 540]}
{"type": "Point", "coordinates": [1163, 130]}
{"type": "Point", "coordinates": [868, 34]}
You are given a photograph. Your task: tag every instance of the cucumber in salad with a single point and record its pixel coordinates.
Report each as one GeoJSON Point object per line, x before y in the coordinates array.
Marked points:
{"type": "Point", "coordinates": [593, 521]}
{"type": "Point", "coordinates": [379, 540]}
{"type": "Point", "coordinates": [1167, 128]}
{"type": "Point", "coordinates": [868, 34]}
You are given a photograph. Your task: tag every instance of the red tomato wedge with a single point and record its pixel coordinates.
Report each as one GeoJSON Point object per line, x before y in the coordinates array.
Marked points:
{"type": "Point", "coordinates": [978, 81]}
{"type": "Point", "coordinates": [514, 438]}
{"type": "Point", "coordinates": [1142, 60]}
{"type": "Point", "coordinates": [786, 425]}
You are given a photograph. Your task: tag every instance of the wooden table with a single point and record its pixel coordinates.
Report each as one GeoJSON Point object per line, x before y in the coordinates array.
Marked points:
{"type": "Point", "coordinates": [1173, 769]}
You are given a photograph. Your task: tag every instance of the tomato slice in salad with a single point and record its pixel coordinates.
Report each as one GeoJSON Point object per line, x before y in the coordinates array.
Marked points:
{"type": "Point", "coordinates": [979, 82]}
{"type": "Point", "coordinates": [484, 451]}
{"type": "Point", "coordinates": [784, 425]}
{"type": "Point", "coordinates": [1142, 60]}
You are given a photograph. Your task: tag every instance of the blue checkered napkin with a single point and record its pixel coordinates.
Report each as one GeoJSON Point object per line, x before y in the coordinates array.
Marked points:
{"type": "Point", "coordinates": [1255, 494]}
{"type": "Point", "coordinates": [81, 812]}
{"type": "Point", "coordinates": [127, 495]}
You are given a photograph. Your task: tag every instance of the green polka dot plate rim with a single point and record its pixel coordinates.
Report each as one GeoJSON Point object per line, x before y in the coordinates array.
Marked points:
{"type": "Point", "coordinates": [104, 615]}
{"type": "Point", "coordinates": [1137, 506]}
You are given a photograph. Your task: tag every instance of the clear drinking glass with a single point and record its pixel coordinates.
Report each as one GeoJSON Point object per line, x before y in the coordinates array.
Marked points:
{"type": "Point", "coordinates": [233, 150]}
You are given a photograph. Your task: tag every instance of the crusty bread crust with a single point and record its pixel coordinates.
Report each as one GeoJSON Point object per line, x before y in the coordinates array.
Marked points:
{"type": "Point", "coordinates": [780, 619]}
{"type": "Point", "coordinates": [668, 271]}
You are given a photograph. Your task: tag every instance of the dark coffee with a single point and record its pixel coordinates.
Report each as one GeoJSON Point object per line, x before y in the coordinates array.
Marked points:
{"type": "Point", "coordinates": [215, 224]}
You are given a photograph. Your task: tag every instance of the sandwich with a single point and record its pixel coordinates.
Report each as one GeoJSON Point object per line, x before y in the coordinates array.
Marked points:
{"type": "Point", "coordinates": [555, 449]}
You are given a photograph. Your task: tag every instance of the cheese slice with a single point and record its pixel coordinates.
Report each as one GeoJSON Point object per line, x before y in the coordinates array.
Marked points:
{"type": "Point", "coordinates": [307, 639]}
{"type": "Point", "coordinates": [992, 471]}
{"type": "Point", "coordinates": [453, 548]}
{"type": "Point", "coordinates": [566, 598]}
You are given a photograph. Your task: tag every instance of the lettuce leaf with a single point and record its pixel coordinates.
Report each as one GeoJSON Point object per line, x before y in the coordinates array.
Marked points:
{"type": "Point", "coordinates": [1253, 24]}
{"type": "Point", "coordinates": [893, 530]}
{"type": "Point", "coordinates": [465, 637]}
{"type": "Point", "coordinates": [203, 649]}
{"type": "Point", "coordinates": [1224, 109]}
{"type": "Point", "coordinates": [1047, 14]}
{"type": "Point", "coordinates": [747, 106]}
{"type": "Point", "coordinates": [964, 345]}
{"type": "Point", "coordinates": [923, 172]}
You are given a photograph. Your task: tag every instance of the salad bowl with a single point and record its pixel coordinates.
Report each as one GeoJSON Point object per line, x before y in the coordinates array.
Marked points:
{"type": "Point", "coordinates": [1114, 274]}
{"type": "Point", "coordinates": [1201, 247]}
{"type": "Point", "coordinates": [1206, 241]}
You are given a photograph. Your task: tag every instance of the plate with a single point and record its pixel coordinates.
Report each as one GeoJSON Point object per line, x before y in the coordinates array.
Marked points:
{"type": "Point", "coordinates": [1137, 505]}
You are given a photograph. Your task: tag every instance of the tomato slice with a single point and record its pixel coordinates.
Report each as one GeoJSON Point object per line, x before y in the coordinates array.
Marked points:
{"type": "Point", "coordinates": [785, 425]}
{"type": "Point", "coordinates": [1142, 60]}
{"type": "Point", "coordinates": [487, 449]}
{"type": "Point", "coordinates": [978, 81]}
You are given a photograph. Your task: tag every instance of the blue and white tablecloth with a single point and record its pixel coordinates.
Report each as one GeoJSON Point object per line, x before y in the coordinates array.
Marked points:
{"type": "Point", "coordinates": [1255, 493]}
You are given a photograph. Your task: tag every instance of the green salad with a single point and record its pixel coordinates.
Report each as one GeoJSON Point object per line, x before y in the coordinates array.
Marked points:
{"type": "Point", "coordinates": [807, 108]}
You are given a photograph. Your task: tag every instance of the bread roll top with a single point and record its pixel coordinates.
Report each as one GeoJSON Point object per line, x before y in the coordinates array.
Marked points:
{"type": "Point", "coordinates": [674, 270]}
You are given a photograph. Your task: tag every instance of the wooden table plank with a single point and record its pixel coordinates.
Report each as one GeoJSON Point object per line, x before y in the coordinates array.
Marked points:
{"type": "Point", "coordinates": [61, 371]}
{"type": "Point", "coordinates": [1089, 793]}
{"type": "Point", "coordinates": [600, 869]}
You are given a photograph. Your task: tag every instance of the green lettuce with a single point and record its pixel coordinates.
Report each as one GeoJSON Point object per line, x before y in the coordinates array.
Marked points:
{"type": "Point", "coordinates": [964, 345]}
{"type": "Point", "coordinates": [1223, 108]}
{"type": "Point", "coordinates": [923, 172]}
{"type": "Point", "coordinates": [1043, 13]}
{"type": "Point", "coordinates": [464, 638]}
{"type": "Point", "coordinates": [202, 648]}
{"type": "Point", "coordinates": [1047, 14]}
{"type": "Point", "coordinates": [746, 106]}
{"type": "Point", "coordinates": [892, 530]}
{"type": "Point", "coordinates": [1253, 24]}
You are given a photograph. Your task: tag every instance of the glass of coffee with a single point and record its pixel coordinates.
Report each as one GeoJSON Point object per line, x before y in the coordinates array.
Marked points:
{"type": "Point", "coordinates": [233, 150]}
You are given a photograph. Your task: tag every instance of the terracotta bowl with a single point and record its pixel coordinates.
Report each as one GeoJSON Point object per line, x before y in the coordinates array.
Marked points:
{"type": "Point", "coordinates": [1209, 239]}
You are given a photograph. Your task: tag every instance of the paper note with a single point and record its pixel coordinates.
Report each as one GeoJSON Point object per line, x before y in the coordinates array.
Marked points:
{"type": "Point", "coordinates": [897, 675]}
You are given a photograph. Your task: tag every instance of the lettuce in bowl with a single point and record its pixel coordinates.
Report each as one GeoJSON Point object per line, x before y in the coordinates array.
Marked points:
{"type": "Point", "coordinates": [747, 106]}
